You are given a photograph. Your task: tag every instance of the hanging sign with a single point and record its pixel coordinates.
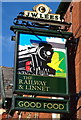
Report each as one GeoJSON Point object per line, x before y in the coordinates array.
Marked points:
{"type": "Point", "coordinates": [40, 65]}
{"type": "Point", "coordinates": [40, 105]}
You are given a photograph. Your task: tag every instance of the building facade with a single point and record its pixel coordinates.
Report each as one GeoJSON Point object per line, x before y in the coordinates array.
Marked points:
{"type": "Point", "coordinates": [72, 13]}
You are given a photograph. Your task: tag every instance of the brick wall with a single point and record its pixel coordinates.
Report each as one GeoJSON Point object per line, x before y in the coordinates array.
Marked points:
{"type": "Point", "coordinates": [73, 15]}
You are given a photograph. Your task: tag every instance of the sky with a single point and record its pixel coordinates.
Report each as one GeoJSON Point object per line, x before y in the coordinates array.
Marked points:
{"type": "Point", "coordinates": [10, 10]}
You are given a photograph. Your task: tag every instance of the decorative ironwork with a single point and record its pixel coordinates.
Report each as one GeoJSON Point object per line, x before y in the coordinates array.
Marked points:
{"type": "Point", "coordinates": [26, 23]}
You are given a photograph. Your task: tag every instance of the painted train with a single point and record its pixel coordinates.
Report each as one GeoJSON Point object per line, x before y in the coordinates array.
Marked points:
{"type": "Point", "coordinates": [34, 59]}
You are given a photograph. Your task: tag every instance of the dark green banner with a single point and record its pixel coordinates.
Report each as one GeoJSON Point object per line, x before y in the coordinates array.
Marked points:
{"type": "Point", "coordinates": [40, 105]}
{"type": "Point", "coordinates": [40, 84]}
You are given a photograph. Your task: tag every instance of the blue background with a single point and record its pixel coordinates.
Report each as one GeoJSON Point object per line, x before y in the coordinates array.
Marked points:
{"type": "Point", "coordinates": [10, 10]}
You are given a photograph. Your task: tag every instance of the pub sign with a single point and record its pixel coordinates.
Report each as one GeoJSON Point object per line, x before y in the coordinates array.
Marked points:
{"type": "Point", "coordinates": [40, 64]}
{"type": "Point", "coordinates": [40, 105]}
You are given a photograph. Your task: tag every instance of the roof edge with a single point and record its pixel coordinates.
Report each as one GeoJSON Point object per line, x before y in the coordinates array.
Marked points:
{"type": "Point", "coordinates": [62, 8]}
{"type": "Point", "coordinates": [6, 67]}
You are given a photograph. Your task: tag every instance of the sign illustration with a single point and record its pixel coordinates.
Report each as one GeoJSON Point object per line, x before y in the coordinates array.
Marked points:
{"type": "Point", "coordinates": [40, 65]}
{"type": "Point", "coordinates": [41, 57]}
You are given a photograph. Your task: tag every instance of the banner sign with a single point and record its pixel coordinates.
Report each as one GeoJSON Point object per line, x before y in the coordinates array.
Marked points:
{"type": "Point", "coordinates": [42, 11]}
{"type": "Point", "coordinates": [40, 84]}
{"type": "Point", "coordinates": [40, 105]}
{"type": "Point", "coordinates": [40, 65]}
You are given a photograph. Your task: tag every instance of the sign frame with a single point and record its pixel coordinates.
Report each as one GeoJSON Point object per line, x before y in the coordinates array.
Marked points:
{"type": "Point", "coordinates": [18, 31]}
{"type": "Point", "coordinates": [40, 100]}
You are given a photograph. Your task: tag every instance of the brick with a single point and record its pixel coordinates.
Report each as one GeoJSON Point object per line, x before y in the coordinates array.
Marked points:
{"type": "Point", "coordinates": [76, 29]}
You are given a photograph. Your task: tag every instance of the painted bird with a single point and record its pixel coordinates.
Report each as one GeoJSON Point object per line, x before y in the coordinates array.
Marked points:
{"type": "Point", "coordinates": [55, 62]}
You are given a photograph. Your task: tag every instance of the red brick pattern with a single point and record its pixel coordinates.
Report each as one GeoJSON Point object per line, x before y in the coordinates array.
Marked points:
{"type": "Point", "coordinates": [75, 18]}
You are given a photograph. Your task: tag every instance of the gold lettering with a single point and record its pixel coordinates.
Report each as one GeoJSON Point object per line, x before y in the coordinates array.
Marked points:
{"type": "Point", "coordinates": [26, 82]}
{"type": "Point", "coordinates": [20, 103]}
{"type": "Point", "coordinates": [27, 77]}
{"type": "Point", "coordinates": [21, 87]}
{"type": "Point", "coordinates": [32, 104]}
{"type": "Point", "coordinates": [49, 105]}
{"type": "Point", "coordinates": [33, 87]}
{"type": "Point", "coordinates": [39, 88]}
{"type": "Point", "coordinates": [47, 88]}
{"type": "Point", "coordinates": [61, 106]}
{"type": "Point", "coordinates": [45, 104]}
{"type": "Point", "coordinates": [40, 83]}
{"type": "Point", "coordinates": [42, 16]}
{"type": "Point", "coordinates": [55, 106]}
{"type": "Point", "coordinates": [36, 82]}
{"type": "Point", "coordinates": [44, 83]}
{"type": "Point", "coordinates": [20, 81]}
{"type": "Point", "coordinates": [38, 105]}
{"type": "Point", "coordinates": [24, 77]}
{"type": "Point", "coordinates": [26, 104]}
{"type": "Point", "coordinates": [26, 87]}
{"type": "Point", "coordinates": [30, 87]}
